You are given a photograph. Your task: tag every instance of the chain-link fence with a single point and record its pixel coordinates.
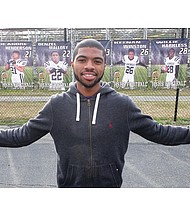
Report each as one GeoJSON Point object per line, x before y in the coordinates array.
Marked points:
{"type": "Point", "coordinates": [17, 105]}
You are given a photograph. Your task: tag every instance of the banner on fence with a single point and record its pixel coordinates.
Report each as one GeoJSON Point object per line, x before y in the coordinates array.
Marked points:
{"type": "Point", "coordinates": [107, 45]}
{"type": "Point", "coordinates": [129, 64]}
{"type": "Point", "coordinates": [169, 59]}
{"type": "Point", "coordinates": [53, 64]}
{"type": "Point", "coordinates": [130, 59]}
{"type": "Point", "coordinates": [16, 64]}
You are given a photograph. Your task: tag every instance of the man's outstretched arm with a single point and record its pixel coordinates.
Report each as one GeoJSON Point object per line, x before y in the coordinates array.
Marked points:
{"type": "Point", "coordinates": [30, 132]}
{"type": "Point", "coordinates": [149, 129]}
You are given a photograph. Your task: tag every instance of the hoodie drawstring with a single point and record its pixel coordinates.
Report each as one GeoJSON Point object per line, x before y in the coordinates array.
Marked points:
{"type": "Point", "coordinates": [95, 108]}
{"type": "Point", "coordinates": [78, 107]}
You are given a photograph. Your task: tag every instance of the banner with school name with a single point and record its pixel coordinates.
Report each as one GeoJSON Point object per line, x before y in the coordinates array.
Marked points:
{"type": "Point", "coordinates": [169, 56]}
{"type": "Point", "coordinates": [45, 55]}
{"type": "Point", "coordinates": [130, 59]}
{"type": "Point", "coordinates": [45, 49]}
{"type": "Point", "coordinates": [7, 48]}
{"type": "Point", "coordinates": [20, 53]}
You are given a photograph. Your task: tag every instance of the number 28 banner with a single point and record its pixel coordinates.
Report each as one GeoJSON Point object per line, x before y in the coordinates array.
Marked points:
{"type": "Point", "coordinates": [169, 60]}
{"type": "Point", "coordinates": [130, 60]}
{"type": "Point", "coordinates": [53, 64]}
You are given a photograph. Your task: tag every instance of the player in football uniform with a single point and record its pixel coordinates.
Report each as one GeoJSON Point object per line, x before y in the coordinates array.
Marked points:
{"type": "Point", "coordinates": [172, 62]}
{"type": "Point", "coordinates": [17, 66]}
{"type": "Point", "coordinates": [130, 61]}
{"type": "Point", "coordinates": [56, 69]}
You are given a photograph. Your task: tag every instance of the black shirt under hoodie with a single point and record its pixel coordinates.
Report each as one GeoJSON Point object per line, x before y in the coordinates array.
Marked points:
{"type": "Point", "coordinates": [91, 135]}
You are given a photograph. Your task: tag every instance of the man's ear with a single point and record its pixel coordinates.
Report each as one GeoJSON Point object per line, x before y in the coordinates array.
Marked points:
{"type": "Point", "coordinates": [72, 64]}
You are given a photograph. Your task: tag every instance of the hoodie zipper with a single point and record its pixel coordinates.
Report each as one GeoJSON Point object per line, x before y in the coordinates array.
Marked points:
{"type": "Point", "coordinates": [90, 138]}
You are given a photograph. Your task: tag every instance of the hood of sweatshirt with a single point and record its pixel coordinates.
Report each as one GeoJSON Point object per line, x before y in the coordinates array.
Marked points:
{"type": "Point", "coordinates": [105, 89]}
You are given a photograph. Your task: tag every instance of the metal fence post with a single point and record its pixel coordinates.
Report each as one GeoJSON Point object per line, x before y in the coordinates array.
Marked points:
{"type": "Point", "coordinates": [176, 104]}
{"type": "Point", "coordinates": [65, 34]}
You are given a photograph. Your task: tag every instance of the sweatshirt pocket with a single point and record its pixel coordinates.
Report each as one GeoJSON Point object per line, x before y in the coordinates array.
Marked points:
{"type": "Point", "coordinates": [76, 176]}
{"type": "Point", "coordinates": [109, 176]}
{"type": "Point", "coordinates": [68, 177]}
{"type": "Point", "coordinates": [116, 176]}
{"type": "Point", "coordinates": [104, 176]}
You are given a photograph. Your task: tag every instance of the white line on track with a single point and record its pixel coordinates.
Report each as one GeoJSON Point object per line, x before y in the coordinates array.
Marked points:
{"type": "Point", "coordinates": [141, 175]}
{"type": "Point", "coordinates": [13, 171]}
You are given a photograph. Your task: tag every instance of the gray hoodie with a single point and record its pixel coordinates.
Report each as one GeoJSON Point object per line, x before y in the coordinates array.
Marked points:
{"type": "Point", "coordinates": [91, 135]}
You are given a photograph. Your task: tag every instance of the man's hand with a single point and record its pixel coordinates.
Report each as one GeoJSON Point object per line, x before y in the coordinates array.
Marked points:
{"type": "Point", "coordinates": [52, 70]}
{"type": "Point", "coordinates": [62, 71]}
{"type": "Point", "coordinates": [11, 61]}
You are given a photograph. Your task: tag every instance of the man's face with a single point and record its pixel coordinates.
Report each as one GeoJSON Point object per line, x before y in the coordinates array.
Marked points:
{"type": "Point", "coordinates": [171, 53]}
{"type": "Point", "coordinates": [55, 57]}
{"type": "Point", "coordinates": [89, 66]}
{"type": "Point", "coordinates": [15, 56]}
{"type": "Point", "coordinates": [131, 55]}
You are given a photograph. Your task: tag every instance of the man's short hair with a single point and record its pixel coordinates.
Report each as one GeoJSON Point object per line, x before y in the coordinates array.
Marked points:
{"type": "Point", "coordinates": [171, 49]}
{"type": "Point", "coordinates": [16, 51]}
{"type": "Point", "coordinates": [92, 43]}
{"type": "Point", "coordinates": [131, 50]}
{"type": "Point", "coordinates": [55, 51]}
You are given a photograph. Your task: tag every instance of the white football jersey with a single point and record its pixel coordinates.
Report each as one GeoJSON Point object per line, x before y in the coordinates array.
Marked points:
{"type": "Point", "coordinates": [130, 64]}
{"type": "Point", "coordinates": [19, 62]}
{"type": "Point", "coordinates": [172, 63]}
{"type": "Point", "coordinates": [56, 76]}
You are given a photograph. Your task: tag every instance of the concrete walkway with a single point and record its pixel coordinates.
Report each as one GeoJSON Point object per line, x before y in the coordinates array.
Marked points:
{"type": "Point", "coordinates": [148, 165]}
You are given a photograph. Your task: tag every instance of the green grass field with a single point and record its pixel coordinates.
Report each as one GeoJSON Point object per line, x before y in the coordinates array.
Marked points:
{"type": "Point", "coordinates": [141, 74]}
{"type": "Point", "coordinates": [19, 112]}
{"type": "Point", "coordinates": [32, 78]}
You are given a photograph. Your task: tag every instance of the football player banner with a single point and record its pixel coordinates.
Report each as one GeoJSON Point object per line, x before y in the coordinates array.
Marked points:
{"type": "Point", "coordinates": [16, 65]}
{"type": "Point", "coordinates": [169, 59]}
{"type": "Point", "coordinates": [107, 45]}
{"type": "Point", "coordinates": [53, 64]}
{"type": "Point", "coordinates": [130, 60]}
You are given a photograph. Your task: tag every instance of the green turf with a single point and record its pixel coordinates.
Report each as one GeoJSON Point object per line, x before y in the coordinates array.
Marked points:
{"type": "Point", "coordinates": [141, 74]}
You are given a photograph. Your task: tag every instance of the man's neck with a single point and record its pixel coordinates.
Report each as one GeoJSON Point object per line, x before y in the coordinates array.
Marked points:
{"type": "Point", "coordinates": [88, 91]}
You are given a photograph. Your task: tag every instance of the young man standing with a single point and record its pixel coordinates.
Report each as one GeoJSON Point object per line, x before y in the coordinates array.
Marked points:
{"type": "Point", "coordinates": [17, 68]}
{"type": "Point", "coordinates": [172, 62]}
{"type": "Point", "coordinates": [56, 69]}
{"type": "Point", "coordinates": [90, 125]}
{"type": "Point", "coordinates": [131, 61]}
